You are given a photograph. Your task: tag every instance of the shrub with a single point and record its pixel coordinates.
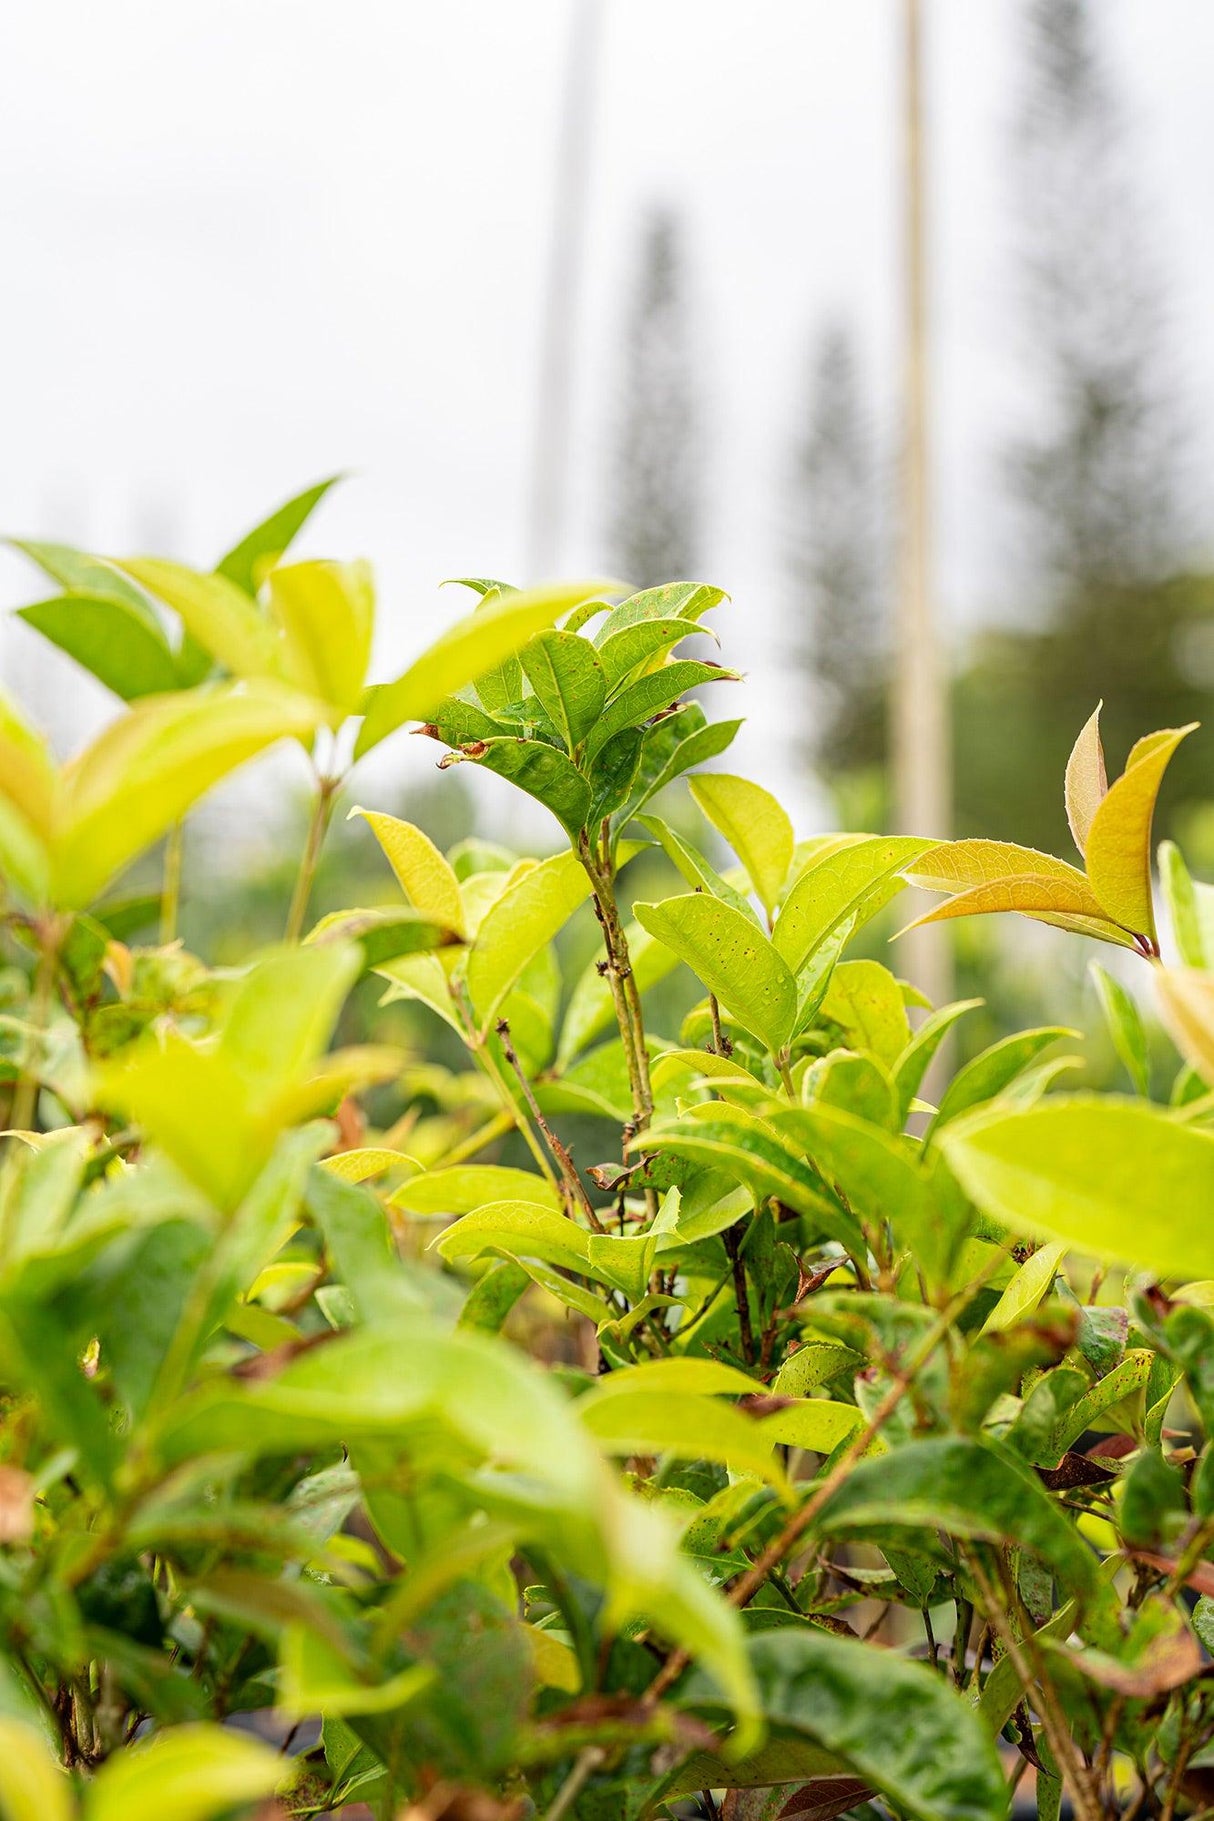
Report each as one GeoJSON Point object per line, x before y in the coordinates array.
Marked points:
{"type": "Point", "coordinates": [812, 1439]}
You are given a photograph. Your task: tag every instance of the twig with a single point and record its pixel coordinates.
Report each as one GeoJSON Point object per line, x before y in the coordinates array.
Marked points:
{"type": "Point", "coordinates": [322, 814]}
{"type": "Point", "coordinates": [746, 1585]}
{"type": "Point", "coordinates": [574, 1185]}
{"type": "Point", "coordinates": [584, 1766]}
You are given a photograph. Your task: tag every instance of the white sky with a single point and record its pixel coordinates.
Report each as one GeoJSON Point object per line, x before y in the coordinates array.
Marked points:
{"type": "Point", "coordinates": [248, 242]}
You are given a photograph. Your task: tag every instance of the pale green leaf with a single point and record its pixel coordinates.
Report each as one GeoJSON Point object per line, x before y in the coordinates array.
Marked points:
{"type": "Point", "coordinates": [462, 1188]}
{"type": "Point", "coordinates": [189, 1772]}
{"type": "Point", "coordinates": [522, 1229]}
{"type": "Point", "coordinates": [733, 958]}
{"type": "Point", "coordinates": [836, 885]}
{"type": "Point", "coordinates": [526, 917]}
{"type": "Point", "coordinates": [216, 614]}
{"type": "Point", "coordinates": [1191, 906]}
{"type": "Point", "coordinates": [1125, 1025]}
{"type": "Point", "coordinates": [257, 552]}
{"type": "Point", "coordinates": [147, 768]}
{"type": "Point", "coordinates": [681, 1424]}
{"type": "Point", "coordinates": [1027, 1289]}
{"type": "Point", "coordinates": [754, 824]}
{"type": "Point", "coordinates": [1114, 1178]}
{"type": "Point", "coordinates": [327, 615]}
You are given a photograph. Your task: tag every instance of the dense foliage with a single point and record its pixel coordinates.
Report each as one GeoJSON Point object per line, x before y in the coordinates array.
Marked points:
{"type": "Point", "coordinates": [830, 1441]}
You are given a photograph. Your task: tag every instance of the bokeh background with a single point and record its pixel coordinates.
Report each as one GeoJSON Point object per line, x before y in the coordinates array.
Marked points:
{"type": "Point", "coordinates": [617, 286]}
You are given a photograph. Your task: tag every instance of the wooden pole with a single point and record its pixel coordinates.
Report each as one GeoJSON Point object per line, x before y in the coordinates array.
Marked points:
{"type": "Point", "coordinates": [920, 737]}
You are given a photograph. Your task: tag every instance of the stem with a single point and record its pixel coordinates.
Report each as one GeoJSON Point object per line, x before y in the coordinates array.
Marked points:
{"type": "Point", "coordinates": [318, 826]}
{"type": "Point", "coordinates": [744, 1588]}
{"type": "Point", "coordinates": [170, 891]}
{"type": "Point", "coordinates": [741, 1293]}
{"type": "Point", "coordinates": [1029, 1667]}
{"type": "Point", "coordinates": [574, 1187]}
{"type": "Point", "coordinates": [628, 1012]}
{"type": "Point", "coordinates": [25, 1101]}
{"type": "Point", "coordinates": [584, 1766]}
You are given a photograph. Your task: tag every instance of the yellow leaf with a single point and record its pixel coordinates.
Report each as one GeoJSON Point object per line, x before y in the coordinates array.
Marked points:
{"type": "Point", "coordinates": [1186, 1004]}
{"type": "Point", "coordinates": [424, 876]}
{"type": "Point", "coordinates": [1050, 898]}
{"type": "Point", "coordinates": [327, 613]}
{"type": "Point", "coordinates": [955, 865]}
{"type": "Point", "coordinates": [1118, 849]}
{"type": "Point", "coordinates": [32, 1787]}
{"type": "Point", "coordinates": [190, 1772]}
{"type": "Point", "coordinates": [1086, 779]}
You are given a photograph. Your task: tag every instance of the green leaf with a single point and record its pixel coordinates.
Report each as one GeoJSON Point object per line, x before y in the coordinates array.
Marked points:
{"type": "Point", "coordinates": [735, 961]}
{"type": "Point", "coordinates": [190, 1772]}
{"type": "Point", "coordinates": [687, 601]}
{"type": "Point", "coordinates": [649, 695]}
{"type": "Point", "coordinates": [915, 1060]}
{"type": "Point", "coordinates": [1124, 1020]}
{"type": "Point", "coordinates": [623, 649]}
{"type": "Point", "coordinates": [541, 771]}
{"type": "Point", "coordinates": [475, 644]}
{"type": "Point", "coordinates": [759, 1154]}
{"type": "Point", "coordinates": [1114, 1178]}
{"type": "Point", "coordinates": [693, 866]}
{"type": "Point", "coordinates": [838, 885]}
{"type": "Point", "coordinates": [146, 769]}
{"type": "Point", "coordinates": [674, 752]}
{"type": "Point", "coordinates": [903, 1729]}
{"type": "Point", "coordinates": [526, 917]}
{"type": "Point", "coordinates": [110, 639]}
{"type": "Point", "coordinates": [612, 774]}
{"type": "Point", "coordinates": [217, 1109]}
{"type": "Point", "coordinates": [968, 1489]}
{"type": "Point", "coordinates": [566, 675]}
{"type": "Point", "coordinates": [247, 562]}
{"type": "Point", "coordinates": [384, 933]}
{"type": "Point", "coordinates": [872, 1168]}
{"type": "Point", "coordinates": [1118, 847]}
{"type": "Point", "coordinates": [1191, 907]}
{"type": "Point", "coordinates": [992, 1071]}
{"type": "Point", "coordinates": [755, 826]}
{"type": "Point", "coordinates": [868, 1005]}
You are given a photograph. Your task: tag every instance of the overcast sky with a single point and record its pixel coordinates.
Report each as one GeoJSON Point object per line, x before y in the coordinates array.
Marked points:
{"type": "Point", "coordinates": [248, 242]}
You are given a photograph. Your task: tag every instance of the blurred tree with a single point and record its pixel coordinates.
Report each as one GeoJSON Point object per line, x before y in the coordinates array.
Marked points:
{"type": "Point", "coordinates": [1099, 484]}
{"type": "Point", "coordinates": [836, 569]}
{"type": "Point", "coordinates": [1100, 487]}
{"type": "Point", "coordinates": [655, 513]}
